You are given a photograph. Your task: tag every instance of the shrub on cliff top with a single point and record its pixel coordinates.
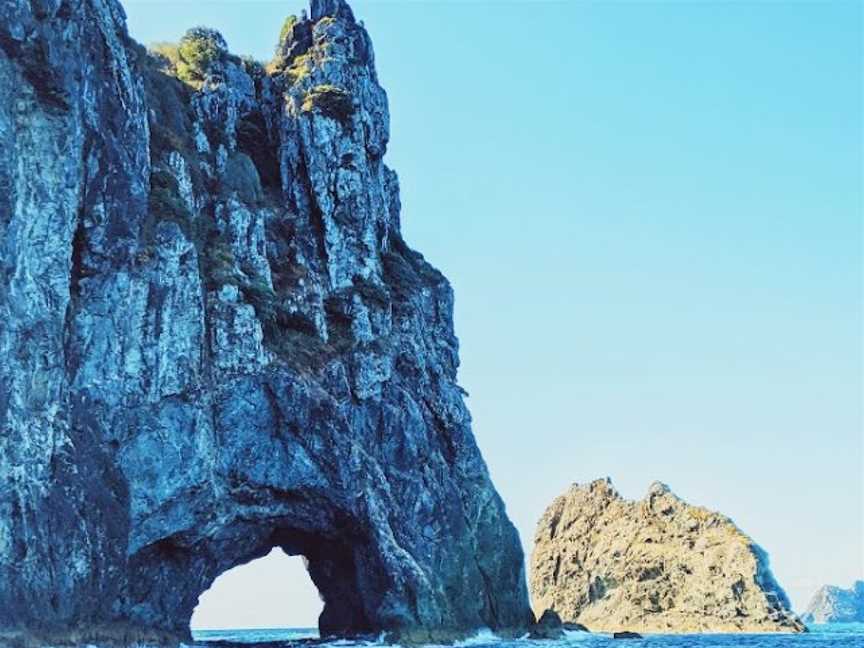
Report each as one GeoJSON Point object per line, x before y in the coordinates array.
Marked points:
{"type": "Point", "coordinates": [166, 53]}
{"type": "Point", "coordinates": [292, 49]}
{"type": "Point", "coordinates": [287, 30]}
{"type": "Point", "coordinates": [197, 51]}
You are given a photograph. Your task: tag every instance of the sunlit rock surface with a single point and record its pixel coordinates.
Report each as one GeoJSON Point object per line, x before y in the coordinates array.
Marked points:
{"type": "Point", "coordinates": [656, 565]}
{"type": "Point", "coordinates": [214, 341]}
{"type": "Point", "coordinates": [836, 605]}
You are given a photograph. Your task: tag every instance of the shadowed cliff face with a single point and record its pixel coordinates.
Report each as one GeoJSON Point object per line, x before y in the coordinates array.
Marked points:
{"type": "Point", "coordinates": [832, 604]}
{"type": "Point", "coordinates": [214, 341]}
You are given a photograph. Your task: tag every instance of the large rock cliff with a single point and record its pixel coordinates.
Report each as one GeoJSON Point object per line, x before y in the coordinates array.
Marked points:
{"type": "Point", "coordinates": [214, 340]}
{"type": "Point", "coordinates": [836, 605]}
{"type": "Point", "coordinates": [657, 565]}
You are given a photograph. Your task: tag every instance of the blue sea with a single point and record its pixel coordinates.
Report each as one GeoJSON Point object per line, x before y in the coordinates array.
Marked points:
{"type": "Point", "coordinates": [839, 636]}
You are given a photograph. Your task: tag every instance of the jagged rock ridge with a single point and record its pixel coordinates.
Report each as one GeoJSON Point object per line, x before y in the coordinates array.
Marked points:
{"type": "Point", "coordinates": [214, 340]}
{"type": "Point", "coordinates": [656, 565]}
{"type": "Point", "coordinates": [836, 605]}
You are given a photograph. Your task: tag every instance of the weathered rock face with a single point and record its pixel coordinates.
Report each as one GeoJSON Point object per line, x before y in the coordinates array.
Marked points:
{"type": "Point", "coordinates": [657, 565]}
{"type": "Point", "coordinates": [836, 605]}
{"type": "Point", "coordinates": [214, 340]}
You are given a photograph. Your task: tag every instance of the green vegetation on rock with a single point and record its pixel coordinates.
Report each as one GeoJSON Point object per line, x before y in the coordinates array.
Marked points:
{"type": "Point", "coordinates": [329, 100]}
{"type": "Point", "coordinates": [194, 56]}
{"type": "Point", "coordinates": [300, 68]}
{"type": "Point", "coordinates": [198, 50]}
{"type": "Point", "coordinates": [165, 200]}
{"type": "Point", "coordinates": [218, 264]}
{"type": "Point", "coordinates": [167, 52]}
{"type": "Point", "coordinates": [287, 28]}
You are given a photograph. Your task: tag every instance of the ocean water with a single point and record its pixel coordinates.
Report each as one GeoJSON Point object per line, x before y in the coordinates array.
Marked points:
{"type": "Point", "coordinates": [824, 636]}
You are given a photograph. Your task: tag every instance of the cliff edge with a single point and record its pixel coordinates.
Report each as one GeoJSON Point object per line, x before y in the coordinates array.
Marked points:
{"type": "Point", "coordinates": [215, 341]}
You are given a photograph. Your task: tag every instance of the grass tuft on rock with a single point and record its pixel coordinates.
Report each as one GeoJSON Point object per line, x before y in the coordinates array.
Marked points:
{"type": "Point", "coordinates": [300, 68]}
{"type": "Point", "coordinates": [287, 29]}
{"type": "Point", "coordinates": [331, 101]}
{"type": "Point", "coordinates": [165, 200]}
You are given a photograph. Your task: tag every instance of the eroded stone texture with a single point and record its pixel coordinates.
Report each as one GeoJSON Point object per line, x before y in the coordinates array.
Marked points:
{"type": "Point", "coordinates": [214, 341]}
{"type": "Point", "coordinates": [656, 565]}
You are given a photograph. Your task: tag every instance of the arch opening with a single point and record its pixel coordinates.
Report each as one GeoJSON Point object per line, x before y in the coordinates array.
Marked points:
{"type": "Point", "coordinates": [272, 597]}
{"type": "Point", "coordinates": [174, 573]}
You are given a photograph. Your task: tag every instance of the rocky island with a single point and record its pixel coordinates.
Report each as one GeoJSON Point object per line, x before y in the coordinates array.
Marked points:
{"type": "Point", "coordinates": [656, 565]}
{"type": "Point", "coordinates": [215, 341]}
{"type": "Point", "coordinates": [836, 605]}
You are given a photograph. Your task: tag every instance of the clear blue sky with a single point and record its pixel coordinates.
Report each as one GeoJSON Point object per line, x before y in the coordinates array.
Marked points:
{"type": "Point", "coordinates": [651, 214]}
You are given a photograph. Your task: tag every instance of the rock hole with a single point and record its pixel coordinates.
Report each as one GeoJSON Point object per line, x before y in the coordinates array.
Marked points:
{"type": "Point", "coordinates": [273, 592]}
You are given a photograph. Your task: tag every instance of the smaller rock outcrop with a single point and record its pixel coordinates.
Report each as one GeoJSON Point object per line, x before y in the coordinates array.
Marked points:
{"type": "Point", "coordinates": [655, 565]}
{"type": "Point", "coordinates": [548, 626]}
{"type": "Point", "coordinates": [836, 605]}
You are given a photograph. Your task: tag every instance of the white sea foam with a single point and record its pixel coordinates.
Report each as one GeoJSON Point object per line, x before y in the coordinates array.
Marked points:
{"type": "Point", "coordinates": [484, 636]}
{"type": "Point", "coordinates": [837, 636]}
